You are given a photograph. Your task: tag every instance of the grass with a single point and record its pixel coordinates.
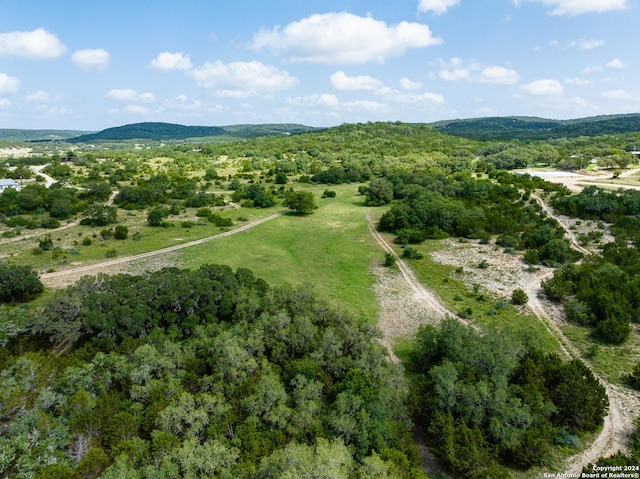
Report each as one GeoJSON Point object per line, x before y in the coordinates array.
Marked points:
{"type": "Point", "coordinates": [488, 312]}
{"type": "Point", "coordinates": [609, 361]}
{"type": "Point", "coordinates": [22, 252]}
{"type": "Point", "coordinates": [331, 250]}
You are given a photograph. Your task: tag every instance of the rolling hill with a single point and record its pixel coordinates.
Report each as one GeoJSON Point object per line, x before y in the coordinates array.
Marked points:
{"type": "Point", "coordinates": [533, 128]}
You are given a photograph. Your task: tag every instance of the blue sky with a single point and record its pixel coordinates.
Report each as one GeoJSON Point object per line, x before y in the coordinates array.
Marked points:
{"type": "Point", "coordinates": [89, 65]}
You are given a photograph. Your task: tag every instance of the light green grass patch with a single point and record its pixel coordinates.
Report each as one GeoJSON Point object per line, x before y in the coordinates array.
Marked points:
{"type": "Point", "coordinates": [331, 250]}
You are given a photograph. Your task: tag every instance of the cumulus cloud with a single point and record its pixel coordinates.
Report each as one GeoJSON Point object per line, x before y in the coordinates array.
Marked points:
{"type": "Point", "coordinates": [343, 38]}
{"type": "Point", "coordinates": [543, 87]}
{"type": "Point", "coordinates": [411, 98]}
{"type": "Point", "coordinates": [137, 109]}
{"type": "Point", "coordinates": [578, 7]}
{"type": "Point", "coordinates": [319, 99]}
{"type": "Point", "coordinates": [171, 61]}
{"type": "Point", "coordinates": [408, 84]}
{"type": "Point", "coordinates": [8, 83]}
{"type": "Point", "coordinates": [342, 82]}
{"type": "Point", "coordinates": [4, 103]}
{"type": "Point", "coordinates": [39, 97]}
{"type": "Point", "coordinates": [242, 79]}
{"type": "Point", "coordinates": [437, 7]}
{"type": "Point", "coordinates": [476, 72]}
{"type": "Point", "coordinates": [130, 95]}
{"type": "Point", "coordinates": [498, 76]}
{"type": "Point", "coordinates": [617, 63]}
{"type": "Point", "coordinates": [36, 45]}
{"type": "Point", "coordinates": [91, 59]}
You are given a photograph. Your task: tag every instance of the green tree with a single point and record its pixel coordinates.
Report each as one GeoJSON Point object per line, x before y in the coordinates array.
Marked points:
{"type": "Point", "coordinates": [300, 201]}
{"type": "Point", "coordinates": [155, 217]}
{"type": "Point", "coordinates": [19, 283]}
{"type": "Point", "coordinates": [121, 232]}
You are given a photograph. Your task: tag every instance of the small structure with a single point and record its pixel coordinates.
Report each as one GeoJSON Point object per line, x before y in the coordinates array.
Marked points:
{"type": "Point", "coordinates": [635, 153]}
{"type": "Point", "coordinates": [8, 183]}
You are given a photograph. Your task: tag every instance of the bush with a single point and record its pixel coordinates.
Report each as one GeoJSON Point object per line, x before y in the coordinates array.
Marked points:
{"type": "Point", "coordinates": [87, 241]}
{"type": "Point", "coordinates": [121, 232]}
{"type": "Point", "coordinates": [518, 296]}
{"type": "Point", "coordinates": [156, 217]}
{"type": "Point", "coordinates": [19, 283]}
{"type": "Point", "coordinates": [389, 260]}
{"type": "Point", "coordinates": [329, 194]}
{"type": "Point", "coordinates": [411, 253]}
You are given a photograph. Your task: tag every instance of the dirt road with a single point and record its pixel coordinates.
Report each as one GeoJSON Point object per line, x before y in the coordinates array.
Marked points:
{"type": "Point", "coordinates": [49, 279]}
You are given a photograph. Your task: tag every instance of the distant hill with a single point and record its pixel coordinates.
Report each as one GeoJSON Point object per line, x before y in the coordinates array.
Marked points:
{"type": "Point", "coordinates": [38, 135]}
{"type": "Point", "coordinates": [156, 131]}
{"type": "Point", "coordinates": [533, 128]}
{"type": "Point", "coordinates": [252, 131]}
{"type": "Point", "coordinates": [149, 131]}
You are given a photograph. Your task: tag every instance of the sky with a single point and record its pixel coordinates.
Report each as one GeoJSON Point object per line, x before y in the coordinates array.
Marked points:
{"type": "Point", "coordinates": [91, 65]}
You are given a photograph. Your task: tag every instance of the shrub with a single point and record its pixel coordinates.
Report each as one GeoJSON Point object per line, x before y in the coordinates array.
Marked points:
{"type": "Point", "coordinates": [389, 260]}
{"type": "Point", "coordinates": [19, 283]}
{"type": "Point", "coordinates": [518, 296]}
{"type": "Point", "coordinates": [121, 232]}
{"type": "Point", "coordinates": [411, 253]}
{"type": "Point", "coordinates": [87, 241]}
{"type": "Point", "coordinates": [329, 194]}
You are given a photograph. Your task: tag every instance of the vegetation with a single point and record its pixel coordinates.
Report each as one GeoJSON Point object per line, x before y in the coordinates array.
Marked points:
{"type": "Point", "coordinates": [198, 374]}
{"type": "Point", "coordinates": [487, 399]}
{"type": "Point", "coordinates": [211, 372]}
{"type": "Point", "coordinates": [18, 284]}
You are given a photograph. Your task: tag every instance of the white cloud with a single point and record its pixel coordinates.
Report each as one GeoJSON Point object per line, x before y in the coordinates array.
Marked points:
{"type": "Point", "coordinates": [343, 38]}
{"type": "Point", "coordinates": [408, 84]}
{"type": "Point", "coordinates": [242, 79]}
{"type": "Point", "coordinates": [577, 81]}
{"type": "Point", "coordinates": [137, 109]}
{"type": "Point", "coordinates": [404, 98]}
{"type": "Point", "coordinates": [39, 97]}
{"type": "Point", "coordinates": [499, 76]}
{"type": "Point", "coordinates": [340, 81]}
{"type": "Point", "coordinates": [619, 95]}
{"type": "Point", "coordinates": [171, 61]}
{"type": "Point", "coordinates": [37, 45]}
{"type": "Point", "coordinates": [475, 72]}
{"type": "Point", "coordinates": [4, 103]}
{"type": "Point", "coordinates": [617, 63]}
{"type": "Point", "coordinates": [320, 99]}
{"type": "Point", "coordinates": [436, 6]}
{"type": "Point", "coordinates": [91, 59]}
{"type": "Point", "coordinates": [586, 44]}
{"type": "Point", "coordinates": [8, 83]}
{"type": "Point", "coordinates": [129, 95]}
{"type": "Point", "coordinates": [589, 70]}
{"type": "Point", "coordinates": [543, 87]}
{"type": "Point", "coordinates": [578, 7]}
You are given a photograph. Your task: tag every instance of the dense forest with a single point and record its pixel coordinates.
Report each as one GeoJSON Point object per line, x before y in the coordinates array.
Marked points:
{"type": "Point", "coordinates": [206, 373]}
{"type": "Point", "coordinates": [494, 398]}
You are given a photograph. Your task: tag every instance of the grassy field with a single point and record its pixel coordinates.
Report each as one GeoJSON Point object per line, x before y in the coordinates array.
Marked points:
{"type": "Point", "coordinates": [331, 250]}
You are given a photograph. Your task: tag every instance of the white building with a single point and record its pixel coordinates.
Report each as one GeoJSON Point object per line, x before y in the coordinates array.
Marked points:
{"type": "Point", "coordinates": [8, 183]}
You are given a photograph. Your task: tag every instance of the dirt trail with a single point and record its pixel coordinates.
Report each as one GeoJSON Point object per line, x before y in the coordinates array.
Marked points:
{"type": "Point", "coordinates": [52, 279]}
{"type": "Point", "coordinates": [624, 403]}
{"type": "Point", "coordinates": [404, 301]}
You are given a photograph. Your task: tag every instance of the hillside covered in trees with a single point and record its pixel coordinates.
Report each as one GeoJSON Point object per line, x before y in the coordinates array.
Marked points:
{"type": "Point", "coordinates": [206, 373]}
